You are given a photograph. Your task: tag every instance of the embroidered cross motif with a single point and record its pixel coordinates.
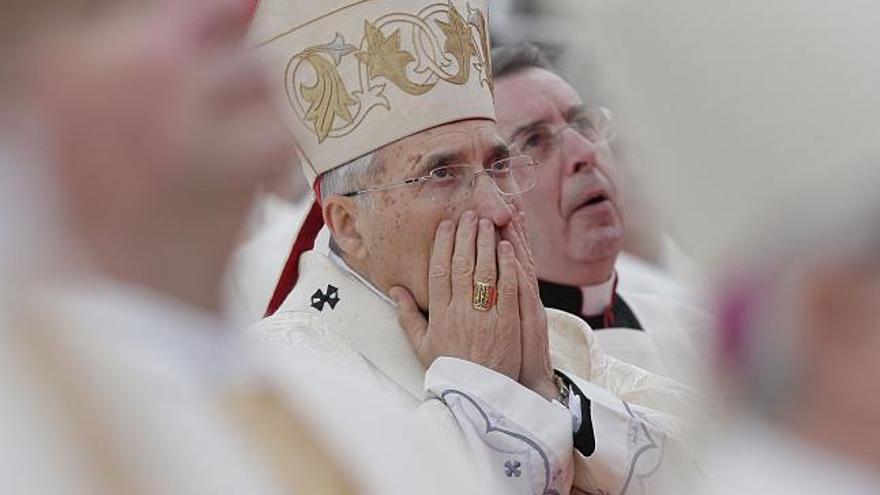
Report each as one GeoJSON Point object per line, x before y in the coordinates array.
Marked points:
{"type": "Point", "coordinates": [512, 469]}
{"type": "Point", "coordinates": [319, 298]}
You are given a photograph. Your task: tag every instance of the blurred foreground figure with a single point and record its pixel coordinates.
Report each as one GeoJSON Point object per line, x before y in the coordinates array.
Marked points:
{"type": "Point", "coordinates": [762, 119]}
{"type": "Point", "coordinates": [140, 132]}
{"type": "Point", "coordinates": [429, 288]}
{"type": "Point", "coordinates": [111, 349]}
{"type": "Point", "coordinates": [576, 224]}
{"type": "Point", "coordinates": [258, 261]}
{"type": "Point", "coordinates": [799, 319]}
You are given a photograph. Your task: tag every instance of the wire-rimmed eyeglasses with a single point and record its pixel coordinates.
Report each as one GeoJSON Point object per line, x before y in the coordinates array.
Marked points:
{"type": "Point", "coordinates": [543, 141]}
{"type": "Point", "coordinates": [451, 183]}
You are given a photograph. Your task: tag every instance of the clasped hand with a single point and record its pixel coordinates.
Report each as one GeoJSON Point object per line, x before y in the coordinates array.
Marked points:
{"type": "Point", "coordinates": [511, 337]}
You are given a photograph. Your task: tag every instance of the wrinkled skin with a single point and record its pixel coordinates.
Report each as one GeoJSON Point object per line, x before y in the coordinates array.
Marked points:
{"type": "Point", "coordinates": [392, 242]}
{"type": "Point", "coordinates": [573, 244]}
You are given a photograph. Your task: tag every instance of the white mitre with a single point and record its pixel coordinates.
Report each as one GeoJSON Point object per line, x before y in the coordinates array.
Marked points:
{"type": "Point", "coordinates": [354, 76]}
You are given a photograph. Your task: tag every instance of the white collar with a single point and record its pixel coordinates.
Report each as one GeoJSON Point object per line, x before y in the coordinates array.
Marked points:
{"type": "Point", "coordinates": [597, 297]}
{"type": "Point", "coordinates": [338, 261]}
{"type": "Point", "coordinates": [363, 317]}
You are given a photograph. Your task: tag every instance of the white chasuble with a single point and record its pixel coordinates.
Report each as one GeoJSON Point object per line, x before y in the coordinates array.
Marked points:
{"type": "Point", "coordinates": [525, 441]}
{"type": "Point", "coordinates": [115, 390]}
{"type": "Point", "coordinates": [672, 343]}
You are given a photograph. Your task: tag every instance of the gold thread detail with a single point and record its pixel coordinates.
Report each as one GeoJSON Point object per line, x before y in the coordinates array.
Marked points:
{"type": "Point", "coordinates": [440, 46]}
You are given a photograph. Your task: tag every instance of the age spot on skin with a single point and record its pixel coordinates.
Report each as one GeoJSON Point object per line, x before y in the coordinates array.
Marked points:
{"type": "Point", "coordinates": [388, 200]}
{"type": "Point", "coordinates": [453, 211]}
{"type": "Point", "coordinates": [414, 159]}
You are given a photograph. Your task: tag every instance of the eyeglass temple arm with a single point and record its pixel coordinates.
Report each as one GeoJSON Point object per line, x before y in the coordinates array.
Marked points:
{"type": "Point", "coordinates": [385, 187]}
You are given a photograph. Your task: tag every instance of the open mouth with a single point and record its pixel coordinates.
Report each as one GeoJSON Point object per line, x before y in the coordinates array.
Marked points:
{"type": "Point", "coordinates": [595, 199]}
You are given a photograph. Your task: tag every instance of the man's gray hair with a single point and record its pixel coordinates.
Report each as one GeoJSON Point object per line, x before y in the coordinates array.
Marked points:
{"type": "Point", "coordinates": [350, 177]}
{"type": "Point", "coordinates": [508, 60]}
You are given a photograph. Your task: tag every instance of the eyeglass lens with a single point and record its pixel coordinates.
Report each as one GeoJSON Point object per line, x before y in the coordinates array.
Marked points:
{"type": "Point", "coordinates": [455, 183]}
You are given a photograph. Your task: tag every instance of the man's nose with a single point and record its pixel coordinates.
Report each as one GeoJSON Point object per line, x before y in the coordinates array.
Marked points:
{"type": "Point", "coordinates": [488, 202]}
{"type": "Point", "coordinates": [578, 152]}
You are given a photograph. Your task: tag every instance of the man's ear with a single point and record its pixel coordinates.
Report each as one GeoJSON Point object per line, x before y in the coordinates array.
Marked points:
{"type": "Point", "coordinates": [340, 216]}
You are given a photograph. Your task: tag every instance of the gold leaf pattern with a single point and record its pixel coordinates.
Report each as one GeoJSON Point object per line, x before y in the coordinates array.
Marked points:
{"type": "Point", "coordinates": [328, 98]}
{"type": "Point", "coordinates": [459, 43]}
{"type": "Point", "coordinates": [479, 22]}
{"type": "Point", "coordinates": [384, 58]}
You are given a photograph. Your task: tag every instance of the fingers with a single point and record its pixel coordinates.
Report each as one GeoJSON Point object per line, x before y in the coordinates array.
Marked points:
{"type": "Point", "coordinates": [528, 297]}
{"type": "Point", "coordinates": [485, 269]}
{"type": "Point", "coordinates": [516, 203]}
{"type": "Point", "coordinates": [510, 233]}
{"type": "Point", "coordinates": [463, 256]}
{"type": "Point", "coordinates": [515, 233]}
{"type": "Point", "coordinates": [519, 228]}
{"type": "Point", "coordinates": [439, 289]}
{"type": "Point", "coordinates": [537, 368]}
{"type": "Point", "coordinates": [409, 316]}
{"type": "Point", "coordinates": [508, 290]}
{"type": "Point", "coordinates": [519, 242]}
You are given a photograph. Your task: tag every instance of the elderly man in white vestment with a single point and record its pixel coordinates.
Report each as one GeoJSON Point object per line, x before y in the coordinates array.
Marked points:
{"type": "Point", "coordinates": [118, 373]}
{"type": "Point", "coordinates": [429, 285]}
{"type": "Point", "coordinates": [575, 221]}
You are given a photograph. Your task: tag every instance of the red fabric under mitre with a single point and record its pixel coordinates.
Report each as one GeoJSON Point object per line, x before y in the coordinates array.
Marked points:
{"type": "Point", "coordinates": [251, 7]}
{"type": "Point", "coordinates": [305, 241]}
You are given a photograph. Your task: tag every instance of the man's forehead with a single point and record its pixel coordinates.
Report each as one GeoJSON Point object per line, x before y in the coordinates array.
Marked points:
{"type": "Point", "coordinates": [533, 95]}
{"type": "Point", "coordinates": [466, 138]}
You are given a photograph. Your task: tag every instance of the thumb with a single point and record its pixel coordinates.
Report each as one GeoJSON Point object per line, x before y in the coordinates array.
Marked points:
{"type": "Point", "coordinates": [409, 316]}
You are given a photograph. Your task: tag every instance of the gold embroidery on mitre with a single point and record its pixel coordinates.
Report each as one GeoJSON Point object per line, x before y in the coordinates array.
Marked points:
{"type": "Point", "coordinates": [459, 44]}
{"type": "Point", "coordinates": [328, 98]}
{"type": "Point", "coordinates": [484, 65]}
{"type": "Point", "coordinates": [398, 48]}
{"type": "Point", "coordinates": [384, 58]}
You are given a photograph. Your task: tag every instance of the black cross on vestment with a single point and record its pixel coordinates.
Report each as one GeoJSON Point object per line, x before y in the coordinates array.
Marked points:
{"type": "Point", "coordinates": [331, 297]}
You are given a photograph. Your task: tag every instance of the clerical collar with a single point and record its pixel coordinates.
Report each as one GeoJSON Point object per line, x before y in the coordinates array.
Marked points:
{"type": "Point", "coordinates": [338, 261]}
{"type": "Point", "coordinates": [591, 300]}
{"type": "Point", "coordinates": [599, 305]}
{"type": "Point", "coordinates": [596, 298]}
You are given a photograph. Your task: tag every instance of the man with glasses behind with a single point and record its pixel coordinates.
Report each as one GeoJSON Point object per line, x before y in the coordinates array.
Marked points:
{"type": "Point", "coordinates": [428, 287]}
{"type": "Point", "coordinates": [575, 222]}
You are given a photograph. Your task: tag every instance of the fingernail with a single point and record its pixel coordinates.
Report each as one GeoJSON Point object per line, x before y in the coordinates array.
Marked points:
{"type": "Point", "coordinates": [485, 224]}
{"type": "Point", "coordinates": [469, 216]}
{"type": "Point", "coordinates": [505, 247]}
{"type": "Point", "coordinates": [446, 226]}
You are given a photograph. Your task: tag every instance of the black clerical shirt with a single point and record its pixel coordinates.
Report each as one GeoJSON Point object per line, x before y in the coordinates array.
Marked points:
{"type": "Point", "coordinates": [570, 299]}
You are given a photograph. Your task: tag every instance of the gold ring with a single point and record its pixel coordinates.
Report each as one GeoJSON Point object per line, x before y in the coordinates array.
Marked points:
{"type": "Point", "coordinates": [484, 296]}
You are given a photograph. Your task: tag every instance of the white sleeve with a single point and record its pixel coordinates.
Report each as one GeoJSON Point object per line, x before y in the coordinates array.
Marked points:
{"type": "Point", "coordinates": [634, 449]}
{"type": "Point", "coordinates": [525, 439]}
